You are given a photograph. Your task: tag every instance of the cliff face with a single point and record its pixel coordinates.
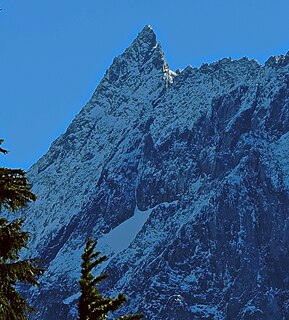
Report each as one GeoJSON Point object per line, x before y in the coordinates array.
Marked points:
{"type": "Point", "coordinates": [184, 179]}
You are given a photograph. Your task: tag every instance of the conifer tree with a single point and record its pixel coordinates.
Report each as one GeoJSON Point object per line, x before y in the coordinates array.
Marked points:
{"type": "Point", "coordinates": [92, 305]}
{"type": "Point", "coordinates": [15, 193]}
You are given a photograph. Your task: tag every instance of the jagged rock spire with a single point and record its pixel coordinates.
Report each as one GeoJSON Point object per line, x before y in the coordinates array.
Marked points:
{"type": "Point", "coordinates": [146, 37]}
{"type": "Point", "coordinates": [142, 56]}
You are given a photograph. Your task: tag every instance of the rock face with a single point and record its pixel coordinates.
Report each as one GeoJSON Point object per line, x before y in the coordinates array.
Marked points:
{"type": "Point", "coordinates": [184, 179]}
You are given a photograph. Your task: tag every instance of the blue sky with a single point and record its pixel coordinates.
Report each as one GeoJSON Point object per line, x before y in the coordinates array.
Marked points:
{"type": "Point", "coordinates": [54, 53]}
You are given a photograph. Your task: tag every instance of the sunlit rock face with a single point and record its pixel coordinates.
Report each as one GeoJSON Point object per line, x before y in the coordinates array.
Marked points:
{"type": "Point", "coordinates": [184, 179]}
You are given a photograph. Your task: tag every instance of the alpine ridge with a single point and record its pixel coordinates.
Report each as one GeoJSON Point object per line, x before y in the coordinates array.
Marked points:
{"type": "Point", "coordinates": [184, 179]}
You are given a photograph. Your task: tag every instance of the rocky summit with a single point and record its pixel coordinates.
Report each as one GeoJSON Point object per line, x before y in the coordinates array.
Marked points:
{"type": "Point", "coordinates": [183, 177]}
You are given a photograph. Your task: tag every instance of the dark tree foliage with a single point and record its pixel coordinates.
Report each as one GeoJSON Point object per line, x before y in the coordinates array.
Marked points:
{"type": "Point", "coordinates": [14, 194]}
{"type": "Point", "coordinates": [2, 150]}
{"type": "Point", "coordinates": [14, 189]}
{"type": "Point", "coordinates": [92, 305]}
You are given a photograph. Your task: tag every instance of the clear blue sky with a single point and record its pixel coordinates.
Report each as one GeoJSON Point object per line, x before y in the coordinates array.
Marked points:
{"type": "Point", "coordinates": [54, 52]}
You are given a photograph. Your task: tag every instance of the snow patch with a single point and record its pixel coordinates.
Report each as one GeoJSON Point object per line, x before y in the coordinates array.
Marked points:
{"type": "Point", "coordinates": [121, 237]}
{"type": "Point", "coordinates": [72, 298]}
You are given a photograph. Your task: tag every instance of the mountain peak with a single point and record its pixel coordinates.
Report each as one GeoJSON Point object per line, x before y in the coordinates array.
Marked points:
{"type": "Point", "coordinates": [142, 56]}
{"type": "Point", "coordinates": [192, 176]}
{"type": "Point", "coordinates": [145, 41]}
{"type": "Point", "coordinates": [147, 36]}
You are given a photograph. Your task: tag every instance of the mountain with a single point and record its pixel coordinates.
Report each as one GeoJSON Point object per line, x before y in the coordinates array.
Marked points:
{"type": "Point", "coordinates": [184, 179]}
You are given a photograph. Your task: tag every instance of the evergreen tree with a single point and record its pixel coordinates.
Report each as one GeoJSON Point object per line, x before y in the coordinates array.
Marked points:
{"type": "Point", "coordinates": [92, 305]}
{"type": "Point", "coordinates": [14, 194]}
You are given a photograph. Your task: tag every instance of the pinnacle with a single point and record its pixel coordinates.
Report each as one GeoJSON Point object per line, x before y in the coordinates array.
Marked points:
{"type": "Point", "coordinates": [147, 36]}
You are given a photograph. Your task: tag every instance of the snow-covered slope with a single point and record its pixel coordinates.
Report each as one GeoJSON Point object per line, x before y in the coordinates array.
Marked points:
{"type": "Point", "coordinates": [183, 178]}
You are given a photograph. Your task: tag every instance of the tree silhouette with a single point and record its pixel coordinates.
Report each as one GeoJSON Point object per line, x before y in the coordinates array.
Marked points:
{"type": "Point", "coordinates": [92, 305]}
{"type": "Point", "coordinates": [15, 193]}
